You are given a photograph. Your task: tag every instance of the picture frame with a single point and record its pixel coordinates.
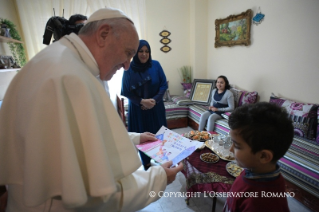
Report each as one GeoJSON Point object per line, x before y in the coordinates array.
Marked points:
{"type": "Point", "coordinates": [233, 30]}
{"type": "Point", "coordinates": [202, 90]}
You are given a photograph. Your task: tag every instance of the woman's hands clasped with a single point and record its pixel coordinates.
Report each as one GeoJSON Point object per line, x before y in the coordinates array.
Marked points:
{"type": "Point", "coordinates": [212, 108]}
{"type": "Point", "coordinates": [147, 104]}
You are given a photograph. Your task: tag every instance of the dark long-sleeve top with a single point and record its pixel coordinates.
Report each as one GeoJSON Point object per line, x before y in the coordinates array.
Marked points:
{"type": "Point", "coordinates": [145, 120]}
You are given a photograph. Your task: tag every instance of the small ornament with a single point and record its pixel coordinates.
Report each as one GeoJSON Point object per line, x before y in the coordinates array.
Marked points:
{"type": "Point", "coordinates": [257, 19]}
{"type": "Point", "coordinates": [165, 40]}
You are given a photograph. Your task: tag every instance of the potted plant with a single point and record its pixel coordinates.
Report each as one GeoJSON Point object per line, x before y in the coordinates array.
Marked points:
{"type": "Point", "coordinates": [17, 49]}
{"type": "Point", "coordinates": [186, 74]}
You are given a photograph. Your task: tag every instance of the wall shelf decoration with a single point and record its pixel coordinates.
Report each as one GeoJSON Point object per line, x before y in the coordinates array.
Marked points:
{"type": "Point", "coordinates": [165, 40]}
{"type": "Point", "coordinates": [233, 30]}
{"type": "Point", "coordinates": [7, 40]}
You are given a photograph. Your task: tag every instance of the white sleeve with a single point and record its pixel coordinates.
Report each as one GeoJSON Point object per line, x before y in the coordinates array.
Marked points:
{"type": "Point", "coordinates": [135, 137]}
{"type": "Point", "coordinates": [137, 187]}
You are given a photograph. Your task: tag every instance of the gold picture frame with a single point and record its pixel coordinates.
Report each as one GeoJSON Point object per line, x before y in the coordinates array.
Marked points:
{"type": "Point", "coordinates": [233, 30]}
{"type": "Point", "coordinates": [202, 90]}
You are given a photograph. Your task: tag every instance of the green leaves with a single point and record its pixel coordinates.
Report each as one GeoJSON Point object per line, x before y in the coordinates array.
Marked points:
{"type": "Point", "coordinates": [186, 74]}
{"type": "Point", "coordinates": [16, 49]}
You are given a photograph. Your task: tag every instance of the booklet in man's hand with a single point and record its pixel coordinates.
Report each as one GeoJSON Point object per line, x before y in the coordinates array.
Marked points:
{"type": "Point", "coordinates": [169, 146]}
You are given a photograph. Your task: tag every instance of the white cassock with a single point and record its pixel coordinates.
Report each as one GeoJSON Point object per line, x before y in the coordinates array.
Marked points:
{"type": "Point", "coordinates": [63, 146]}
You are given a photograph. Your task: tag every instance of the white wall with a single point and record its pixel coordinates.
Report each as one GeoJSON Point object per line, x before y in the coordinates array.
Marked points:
{"type": "Point", "coordinates": [187, 21]}
{"type": "Point", "coordinates": [174, 17]}
{"type": "Point", "coordinates": [284, 53]}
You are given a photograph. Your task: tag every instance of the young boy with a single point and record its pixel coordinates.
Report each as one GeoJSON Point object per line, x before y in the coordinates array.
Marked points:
{"type": "Point", "coordinates": [261, 135]}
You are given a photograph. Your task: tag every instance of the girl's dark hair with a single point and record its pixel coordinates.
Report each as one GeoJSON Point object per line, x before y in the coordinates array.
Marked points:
{"type": "Point", "coordinates": [227, 86]}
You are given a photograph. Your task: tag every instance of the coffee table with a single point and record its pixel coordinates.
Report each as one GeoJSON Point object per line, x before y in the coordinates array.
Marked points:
{"type": "Point", "coordinates": [206, 177]}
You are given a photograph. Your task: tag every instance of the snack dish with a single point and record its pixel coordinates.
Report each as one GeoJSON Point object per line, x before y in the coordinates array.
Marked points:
{"type": "Point", "coordinates": [198, 135]}
{"type": "Point", "coordinates": [233, 169]}
{"type": "Point", "coordinates": [209, 158]}
{"type": "Point", "coordinates": [221, 157]}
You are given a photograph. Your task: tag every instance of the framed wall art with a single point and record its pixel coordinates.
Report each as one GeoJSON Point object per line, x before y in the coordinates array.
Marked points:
{"type": "Point", "coordinates": [202, 90]}
{"type": "Point", "coordinates": [233, 30]}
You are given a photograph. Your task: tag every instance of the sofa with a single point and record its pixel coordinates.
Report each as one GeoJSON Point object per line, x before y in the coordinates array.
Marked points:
{"type": "Point", "coordinates": [300, 165]}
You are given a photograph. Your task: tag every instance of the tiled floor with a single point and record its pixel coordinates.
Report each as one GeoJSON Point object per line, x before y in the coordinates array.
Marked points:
{"type": "Point", "coordinates": [197, 204]}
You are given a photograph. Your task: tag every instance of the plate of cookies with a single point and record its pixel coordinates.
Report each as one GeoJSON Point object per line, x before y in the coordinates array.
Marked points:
{"type": "Point", "coordinates": [198, 135]}
{"type": "Point", "coordinates": [209, 158]}
{"type": "Point", "coordinates": [233, 169]}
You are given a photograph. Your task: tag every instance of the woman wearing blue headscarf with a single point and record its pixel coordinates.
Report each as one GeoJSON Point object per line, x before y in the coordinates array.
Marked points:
{"type": "Point", "coordinates": [144, 84]}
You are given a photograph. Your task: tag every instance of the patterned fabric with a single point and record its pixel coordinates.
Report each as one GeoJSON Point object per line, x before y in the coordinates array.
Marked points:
{"type": "Point", "coordinates": [198, 172]}
{"type": "Point", "coordinates": [195, 111]}
{"type": "Point", "coordinates": [226, 115]}
{"type": "Point", "coordinates": [187, 93]}
{"type": "Point", "coordinates": [303, 115]}
{"type": "Point", "coordinates": [300, 165]}
{"type": "Point", "coordinates": [244, 97]}
{"type": "Point", "coordinates": [181, 100]}
{"type": "Point", "coordinates": [174, 111]}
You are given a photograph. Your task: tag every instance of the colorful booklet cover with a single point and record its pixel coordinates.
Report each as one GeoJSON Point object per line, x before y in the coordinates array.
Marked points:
{"type": "Point", "coordinates": [169, 146]}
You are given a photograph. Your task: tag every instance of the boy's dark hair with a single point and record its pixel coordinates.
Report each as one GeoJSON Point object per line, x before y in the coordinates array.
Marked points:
{"type": "Point", "coordinates": [227, 86]}
{"type": "Point", "coordinates": [264, 126]}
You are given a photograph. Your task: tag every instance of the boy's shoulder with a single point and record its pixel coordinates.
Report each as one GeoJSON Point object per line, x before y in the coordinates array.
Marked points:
{"type": "Point", "coordinates": [246, 194]}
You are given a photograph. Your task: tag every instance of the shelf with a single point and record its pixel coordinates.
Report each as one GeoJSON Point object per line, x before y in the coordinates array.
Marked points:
{"type": "Point", "coordinates": [5, 39]}
{"type": "Point", "coordinates": [10, 69]}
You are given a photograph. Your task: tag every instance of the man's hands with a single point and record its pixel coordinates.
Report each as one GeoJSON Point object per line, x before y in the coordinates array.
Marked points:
{"type": "Point", "coordinates": [147, 104]}
{"type": "Point", "coordinates": [147, 136]}
{"type": "Point", "coordinates": [171, 172]}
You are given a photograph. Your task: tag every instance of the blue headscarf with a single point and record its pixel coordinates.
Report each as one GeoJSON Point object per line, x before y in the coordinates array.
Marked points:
{"type": "Point", "coordinates": [140, 75]}
{"type": "Point", "coordinates": [136, 64]}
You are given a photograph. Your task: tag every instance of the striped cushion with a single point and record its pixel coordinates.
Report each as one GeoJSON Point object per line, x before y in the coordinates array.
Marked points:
{"type": "Point", "coordinates": [300, 164]}
{"type": "Point", "coordinates": [195, 111]}
{"type": "Point", "coordinates": [182, 100]}
{"type": "Point", "coordinates": [174, 111]}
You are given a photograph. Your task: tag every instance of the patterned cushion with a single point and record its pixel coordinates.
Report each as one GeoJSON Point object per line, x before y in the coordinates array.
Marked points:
{"type": "Point", "coordinates": [174, 111]}
{"type": "Point", "coordinates": [226, 115]}
{"type": "Point", "coordinates": [244, 97]}
{"type": "Point", "coordinates": [182, 100]}
{"type": "Point", "coordinates": [300, 164]}
{"type": "Point", "coordinates": [304, 116]}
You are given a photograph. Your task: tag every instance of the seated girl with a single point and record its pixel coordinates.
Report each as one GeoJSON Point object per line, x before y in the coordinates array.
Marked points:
{"type": "Point", "coordinates": [222, 101]}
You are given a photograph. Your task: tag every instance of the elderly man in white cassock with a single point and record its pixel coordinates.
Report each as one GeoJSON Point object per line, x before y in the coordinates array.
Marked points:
{"type": "Point", "coordinates": [63, 146]}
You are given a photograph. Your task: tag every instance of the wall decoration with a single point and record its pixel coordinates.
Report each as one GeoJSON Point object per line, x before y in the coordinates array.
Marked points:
{"type": "Point", "coordinates": [233, 30]}
{"type": "Point", "coordinates": [258, 18]}
{"type": "Point", "coordinates": [202, 90]}
{"type": "Point", "coordinates": [165, 40]}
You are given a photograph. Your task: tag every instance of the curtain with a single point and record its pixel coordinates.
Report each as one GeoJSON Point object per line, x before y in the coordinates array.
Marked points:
{"type": "Point", "coordinates": [34, 15]}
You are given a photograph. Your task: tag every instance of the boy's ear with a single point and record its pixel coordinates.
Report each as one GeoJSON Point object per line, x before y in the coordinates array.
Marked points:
{"type": "Point", "coordinates": [266, 156]}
